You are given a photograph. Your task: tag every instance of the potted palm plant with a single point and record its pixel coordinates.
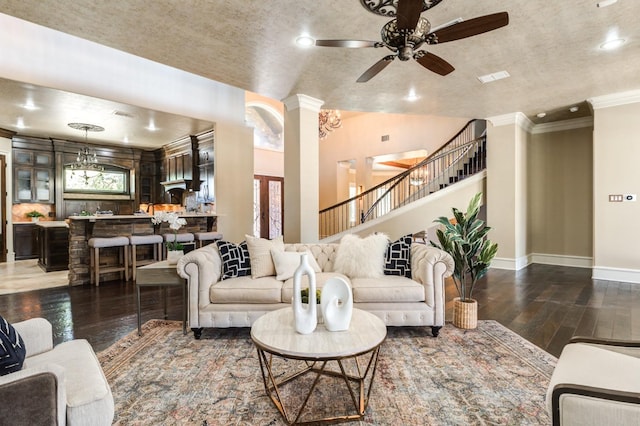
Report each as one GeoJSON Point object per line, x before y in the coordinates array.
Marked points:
{"type": "Point", "coordinates": [465, 239]}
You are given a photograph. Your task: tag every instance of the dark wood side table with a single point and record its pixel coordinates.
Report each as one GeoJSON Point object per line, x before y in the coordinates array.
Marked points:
{"type": "Point", "coordinates": [161, 274]}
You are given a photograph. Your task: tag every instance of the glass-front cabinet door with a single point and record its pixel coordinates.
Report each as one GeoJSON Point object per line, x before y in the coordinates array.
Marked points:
{"type": "Point", "coordinates": [33, 176]}
{"type": "Point", "coordinates": [23, 184]}
{"type": "Point", "coordinates": [42, 188]}
{"type": "Point", "coordinates": [43, 159]}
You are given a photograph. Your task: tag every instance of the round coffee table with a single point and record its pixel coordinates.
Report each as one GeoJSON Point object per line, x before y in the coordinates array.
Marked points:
{"type": "Point", "coordinates": [354, 352]}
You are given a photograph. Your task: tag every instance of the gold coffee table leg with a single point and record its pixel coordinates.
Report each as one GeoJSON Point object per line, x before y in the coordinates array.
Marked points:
{"type": "Point", "coordinates": [363, 382]}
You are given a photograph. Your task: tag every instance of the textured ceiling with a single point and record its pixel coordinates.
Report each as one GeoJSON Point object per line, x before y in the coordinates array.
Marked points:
{"type": "Point", "coordinates": [550, 49]}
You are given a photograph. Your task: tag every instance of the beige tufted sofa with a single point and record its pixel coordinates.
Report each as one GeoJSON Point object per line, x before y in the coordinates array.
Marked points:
{"type": "Point", "coordinates": [238, 302]}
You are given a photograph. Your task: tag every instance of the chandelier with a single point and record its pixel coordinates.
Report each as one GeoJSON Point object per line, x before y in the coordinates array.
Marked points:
{"type": "Point", "coordinates": [418, 175]}
{"type": "Point", "coordinates": [86, 160]}
{"type": "Point", "coordinates": [328, 121]}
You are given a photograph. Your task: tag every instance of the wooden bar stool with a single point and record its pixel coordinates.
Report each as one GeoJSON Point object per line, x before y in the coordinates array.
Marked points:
{"type": "Point", "coordinates": [204, 238]}
{"type": "Point", "coordinates": [96, 244]}
{"type": "Point", "coordinates": [185, 237]}
{"type": "Point", "coordinates": [143, 240]}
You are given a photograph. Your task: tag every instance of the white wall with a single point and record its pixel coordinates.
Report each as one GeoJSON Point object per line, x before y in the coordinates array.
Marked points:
{"type": "Point", "coordinates": [506, 195]}
{"type": "Point", "coordinates": [268, 163]}
{"type": "Point", "coordinates": [616, 233]}
{"type": "Point", "coordinates": [560, 182]}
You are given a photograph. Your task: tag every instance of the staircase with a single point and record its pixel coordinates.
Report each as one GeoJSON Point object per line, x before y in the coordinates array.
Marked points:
{"type": "Point", "coordinates": [462, 156]}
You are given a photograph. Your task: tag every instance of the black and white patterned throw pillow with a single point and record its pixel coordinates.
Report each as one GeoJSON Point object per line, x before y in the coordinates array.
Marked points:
{"type": "Point", "coordinates": [12, 350]}
{"type": "Point", "coordinates": [235, 259]}
{"type": "Point", "coordinates": [398, 258]}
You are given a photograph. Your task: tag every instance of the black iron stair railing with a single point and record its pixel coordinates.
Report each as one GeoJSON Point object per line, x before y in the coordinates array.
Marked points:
{"type": "Point", "coordinates": [462, 156]}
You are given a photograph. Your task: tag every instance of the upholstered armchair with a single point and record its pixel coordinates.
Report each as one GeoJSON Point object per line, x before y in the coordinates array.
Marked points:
{"type": "Point", "coordinates": [57, 385]}
{"type": "Point", "coordinates": [596, 382]}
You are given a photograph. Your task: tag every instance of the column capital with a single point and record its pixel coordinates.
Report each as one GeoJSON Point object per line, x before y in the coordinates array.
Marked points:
{"type": "Point", "coordinates": [516, 118]}
{"type": "Point", "coordinates": [302, 101]}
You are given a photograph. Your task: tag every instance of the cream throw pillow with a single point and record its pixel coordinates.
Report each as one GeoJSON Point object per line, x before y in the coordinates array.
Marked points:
{"type": "Point", "coordinates": [361, 257]}
{"type": "Point", "coordinates": [260, 255]}
{"type": "Point", "coordinates": [286, 263]}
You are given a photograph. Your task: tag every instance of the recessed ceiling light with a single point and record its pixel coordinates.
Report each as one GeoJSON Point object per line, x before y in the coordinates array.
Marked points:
{"type": "Point", "coordinates": [305, 41]}
{"type": "Point", "coordinates": [612, 44]}
{"type": "Point", "coordinates": [541, 114]}
{"type": "Point", "coordinates": [29, 105]}
{"type": "Point", "coordinates": [411, 97]}
{"type": "Point", "coordinates": [605, 3]}
{"type": "Point", "coordinates": [574, 109]}
{"type": "Point", "coordinates": [152, 126]}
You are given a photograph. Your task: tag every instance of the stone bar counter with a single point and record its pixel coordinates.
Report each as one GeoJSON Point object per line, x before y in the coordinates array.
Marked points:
{"type": "Point", "coordinates": [82, 228]}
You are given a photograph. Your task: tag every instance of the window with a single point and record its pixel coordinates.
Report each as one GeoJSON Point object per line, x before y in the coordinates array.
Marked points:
{"type": "Point", "coordinates": [113, 180]}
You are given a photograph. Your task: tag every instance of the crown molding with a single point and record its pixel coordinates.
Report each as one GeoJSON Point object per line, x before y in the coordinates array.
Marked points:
{"type": "Point", "coordinates": [615, 99]}
{"type": "Point", "coordinates": [5, 133]}
{"type": "Point", "coordinates": [557, 126]}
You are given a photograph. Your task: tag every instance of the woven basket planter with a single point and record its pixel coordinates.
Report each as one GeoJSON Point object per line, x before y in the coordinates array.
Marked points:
{"type": "Point", "coordinates": [465, 314]}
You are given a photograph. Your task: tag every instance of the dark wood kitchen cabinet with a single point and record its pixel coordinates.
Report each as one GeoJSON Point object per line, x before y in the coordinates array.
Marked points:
{"type": "Point", "coordinates": [53, 246]}
{"type": "Point", "coordinates": [33, 175]}
{"type": "Point", "coordinates": [25, 240]}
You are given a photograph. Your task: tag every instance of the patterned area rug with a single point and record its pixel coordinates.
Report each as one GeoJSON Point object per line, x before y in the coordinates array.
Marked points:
{"type": "Point", "coordinates": [487, 376]}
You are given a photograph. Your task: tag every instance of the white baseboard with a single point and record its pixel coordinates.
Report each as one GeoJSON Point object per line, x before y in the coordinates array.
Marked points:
{"type": "Point", "coordinates": [598, 272]}
{"type": "Point", "coordinates": [515, 264]}
{"type": "Point", "coordinates": [562, 260]}
{"type": "Point", "coordinates": [510, 264]}
{"type": "Point", "coordinates": [616, 274]}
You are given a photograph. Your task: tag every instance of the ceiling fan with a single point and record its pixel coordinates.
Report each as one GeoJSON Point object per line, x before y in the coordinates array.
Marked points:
{"type": "Point", "coordinates": [408, 31]}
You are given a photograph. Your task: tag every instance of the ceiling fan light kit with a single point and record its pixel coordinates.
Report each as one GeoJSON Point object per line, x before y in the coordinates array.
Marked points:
{"type": "Point", "coordinates": [405, 34]}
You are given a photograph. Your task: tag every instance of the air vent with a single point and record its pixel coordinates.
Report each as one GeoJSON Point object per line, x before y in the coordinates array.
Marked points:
{"type": "Point", "coordinates": [122, 114]}
{"type": "Point", "coordinates": [484, 79]}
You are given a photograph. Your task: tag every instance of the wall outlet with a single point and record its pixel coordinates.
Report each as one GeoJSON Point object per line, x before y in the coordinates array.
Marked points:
{"type": "Point", "coordinates": [630, 197]}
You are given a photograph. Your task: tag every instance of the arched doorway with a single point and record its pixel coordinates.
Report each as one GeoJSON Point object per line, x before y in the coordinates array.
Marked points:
{"type": "Point", "coordinates": [268, 190]}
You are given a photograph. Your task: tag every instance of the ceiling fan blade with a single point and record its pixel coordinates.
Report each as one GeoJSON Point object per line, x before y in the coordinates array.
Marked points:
{"type": "Point", "coordinates": [475, 26]}
{"type": "Point", "coordinates": [376, 68]}
{"type": "Point", "coordinates": [347, 43]}
{"type": "Point", "coordinates": [434, 63]}
{"type": "Point", "coordinates": [408, 14]}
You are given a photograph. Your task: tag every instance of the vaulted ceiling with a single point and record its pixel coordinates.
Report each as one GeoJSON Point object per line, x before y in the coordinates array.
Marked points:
{"type": "Point", "coordinates": [550, 49]}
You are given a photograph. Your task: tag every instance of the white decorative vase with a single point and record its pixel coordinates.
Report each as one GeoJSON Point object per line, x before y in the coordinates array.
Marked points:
{"type": "Point", "coordinates": [304, 315]}
{"type": "Point", "coordinates": [35, 219]}
{"type": "Point", "coordinates": [173, 256]}
{"type": "Point", "coordinates": [336, 304]}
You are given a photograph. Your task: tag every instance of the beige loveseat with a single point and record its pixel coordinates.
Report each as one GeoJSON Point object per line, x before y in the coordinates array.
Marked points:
{"type": "Point", "coordinates": [238, 302]}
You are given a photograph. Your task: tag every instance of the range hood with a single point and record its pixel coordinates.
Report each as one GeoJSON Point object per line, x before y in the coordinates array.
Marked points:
{"type": "Point", "coordinates": [177, 184]}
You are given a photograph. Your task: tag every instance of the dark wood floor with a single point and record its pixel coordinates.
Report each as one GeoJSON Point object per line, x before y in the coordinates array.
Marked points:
{"type": "Point", "coordinates": [544, 304]}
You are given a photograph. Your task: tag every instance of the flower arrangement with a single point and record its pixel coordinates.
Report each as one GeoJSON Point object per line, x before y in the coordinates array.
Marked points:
{"type": "Point", "coordinates": [174, 222]}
